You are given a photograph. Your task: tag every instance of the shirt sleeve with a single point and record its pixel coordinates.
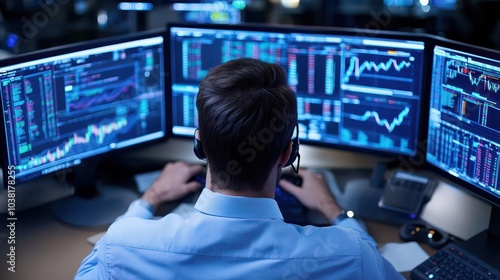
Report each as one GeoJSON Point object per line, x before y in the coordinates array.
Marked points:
{"type": "Point", "coordinates": [357, 226]}
{"type": "Point", "coordinates": [139, 208]}
{"type": "Point", "coordinates": [92, 266]}
{"type": "Point", "coordinates": [375, 266]}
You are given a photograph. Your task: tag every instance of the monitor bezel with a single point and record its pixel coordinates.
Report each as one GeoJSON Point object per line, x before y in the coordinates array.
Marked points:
{"type": "Point", "coordinates": [79, 46]}
{"type": "Point", "coordinates": [327, 30]}
{"type": "Point", "coordinates": [471, 49]}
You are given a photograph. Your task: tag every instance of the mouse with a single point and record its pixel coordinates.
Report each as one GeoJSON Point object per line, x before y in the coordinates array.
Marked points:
{"type": "Point", "coordinates": [293, 178]}
{"type": "Point", "coordinates": [422, 232]}
{"type": "Point", "coordinates": [200, 178]}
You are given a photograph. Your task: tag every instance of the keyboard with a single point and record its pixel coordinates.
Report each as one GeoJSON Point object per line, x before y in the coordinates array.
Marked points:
{"type": "Point", "coordinates": [291, 208]}
{"type": "Point", "coordinates": [452, 262]}
{"type": "Point", "coordinates": [144, 180]}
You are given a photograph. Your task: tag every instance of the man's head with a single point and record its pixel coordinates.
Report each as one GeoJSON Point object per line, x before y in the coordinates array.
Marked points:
{"type": "Point", "coordinates": [247, 115]}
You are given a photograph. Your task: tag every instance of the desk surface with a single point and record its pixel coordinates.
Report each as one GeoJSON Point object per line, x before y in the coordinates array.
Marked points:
{"type": "Point", "coordinates": [49, 249]}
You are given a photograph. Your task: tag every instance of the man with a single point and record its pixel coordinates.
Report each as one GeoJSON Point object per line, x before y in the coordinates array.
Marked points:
{"type": "Point", "coordinates": [247, 118]}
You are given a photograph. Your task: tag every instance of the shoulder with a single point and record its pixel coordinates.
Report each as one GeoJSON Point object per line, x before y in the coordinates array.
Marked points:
{"type": "Point", "coordinates": [327, 241]}
{"type": "Point", "coordinates": [142, 232]}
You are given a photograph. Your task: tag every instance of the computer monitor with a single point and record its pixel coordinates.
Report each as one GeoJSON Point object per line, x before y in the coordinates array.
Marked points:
{"type": "Point", "coordinates": [355, 90]}
{"type": "Point", "coordinates": [463, 130]}
{"type": "Point", "coordinates": [209, 11]}
{"type": "Point", "coordinates": [67, 107]}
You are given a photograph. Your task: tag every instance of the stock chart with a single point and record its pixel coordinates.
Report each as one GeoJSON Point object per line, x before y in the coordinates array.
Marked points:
{"type": "Point", "coordinates": [464, 116]}
{"type": "Point", "coordinates": [61, 109]}
{"type": "Point", "coordinates": [381, 95]}
{"type": "Point", "coordinates": [351, 90]}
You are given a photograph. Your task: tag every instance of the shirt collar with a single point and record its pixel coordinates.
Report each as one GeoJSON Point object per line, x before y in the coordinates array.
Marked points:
{"type": "Point", "coordinates": [241, 207]}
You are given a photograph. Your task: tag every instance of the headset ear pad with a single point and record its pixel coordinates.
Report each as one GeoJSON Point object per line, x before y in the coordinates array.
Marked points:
{"type": "Point", "coordinates": [198, 148]}
{"type": "Point", "coordinates": [294, 153]}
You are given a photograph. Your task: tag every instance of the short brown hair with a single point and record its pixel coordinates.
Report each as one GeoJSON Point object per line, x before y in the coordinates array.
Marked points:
{"type": "Point", "coordinates": [247, 114]}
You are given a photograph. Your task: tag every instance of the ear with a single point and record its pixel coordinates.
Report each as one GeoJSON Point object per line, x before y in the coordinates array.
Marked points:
{"type": "Point", "coordinates": [197, 134]}
{"type": "Point", "coordinates": [285, 155]}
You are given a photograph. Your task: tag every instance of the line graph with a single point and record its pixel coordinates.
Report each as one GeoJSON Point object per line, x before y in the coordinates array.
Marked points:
{"type": "Point", "coordinates": [356, 68]}
{"type": "Point", "coordinates": [470, 78]}
{"type": "Point", "coordinates": [488, 85]}
{"type": "Point", "coordinates": [93, 136]}
{"type": "Point", "coordinates": [388, 124]}
{"type": "Point", "coordinates": [100, 96]}
{"type": "Point", "coordinates": [381, 71]}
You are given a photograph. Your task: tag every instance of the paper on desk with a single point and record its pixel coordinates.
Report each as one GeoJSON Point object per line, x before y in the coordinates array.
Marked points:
{"type": "Point", "coordinates": [404, 256]}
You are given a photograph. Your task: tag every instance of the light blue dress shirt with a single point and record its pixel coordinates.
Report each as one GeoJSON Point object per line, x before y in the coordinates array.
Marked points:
{"type": "Point", "coordinates": [231, 237]}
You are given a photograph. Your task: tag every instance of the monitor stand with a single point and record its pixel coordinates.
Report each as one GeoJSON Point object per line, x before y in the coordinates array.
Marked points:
{"type": "Point", "coordinates": [486, 244]}
{"type": "Point", "coordinates": [94, 204]}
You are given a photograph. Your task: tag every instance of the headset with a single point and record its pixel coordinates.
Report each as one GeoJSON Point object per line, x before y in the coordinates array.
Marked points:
{"type": "Point", "coordinates": [294, 155]}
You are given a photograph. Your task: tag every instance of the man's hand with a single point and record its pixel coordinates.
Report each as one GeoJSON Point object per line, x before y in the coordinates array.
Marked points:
{"type": "Point", "coordinates": [173, 183]}
{"type": "Point", "coordinates": [314, 193]}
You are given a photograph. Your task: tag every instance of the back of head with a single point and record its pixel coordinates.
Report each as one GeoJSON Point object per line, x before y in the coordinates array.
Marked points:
{"type": "Point", "coordinates": [247, 115]}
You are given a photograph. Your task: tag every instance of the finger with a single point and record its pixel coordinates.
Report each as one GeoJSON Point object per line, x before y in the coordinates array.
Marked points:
{"type": "Point", "coordinates": [289, 187]}
{"type": "Point", "coordinates": [304, 172]}
{"type": "Point", "coordinates": [192, 186]}
{"type": "Point", "coordinates": [173, 166]}
{"type": "Point", "coordinates": [318, 176]}
{"type": "Point", "coordinates": [195, 169]}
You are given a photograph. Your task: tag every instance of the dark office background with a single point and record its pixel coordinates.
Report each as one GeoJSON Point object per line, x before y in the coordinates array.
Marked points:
{"type": "Point", "coordinates": [28, 25]}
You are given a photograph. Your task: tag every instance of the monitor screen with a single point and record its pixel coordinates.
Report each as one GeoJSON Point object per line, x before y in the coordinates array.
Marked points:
{"type": "Point", "coordinates": [445, 4]}
{"type": "Point", "coordinates": [398, 3]}
{"type": "Point", "coordinates": [61, 106]}
{"type": "Point", "coordinates": [463, 131]}
{"type": "Point", "coordinates": [355, 91]}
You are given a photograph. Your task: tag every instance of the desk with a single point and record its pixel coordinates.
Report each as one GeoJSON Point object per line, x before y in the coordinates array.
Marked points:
{"type": "Point", "coordinates": [48, 249]}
